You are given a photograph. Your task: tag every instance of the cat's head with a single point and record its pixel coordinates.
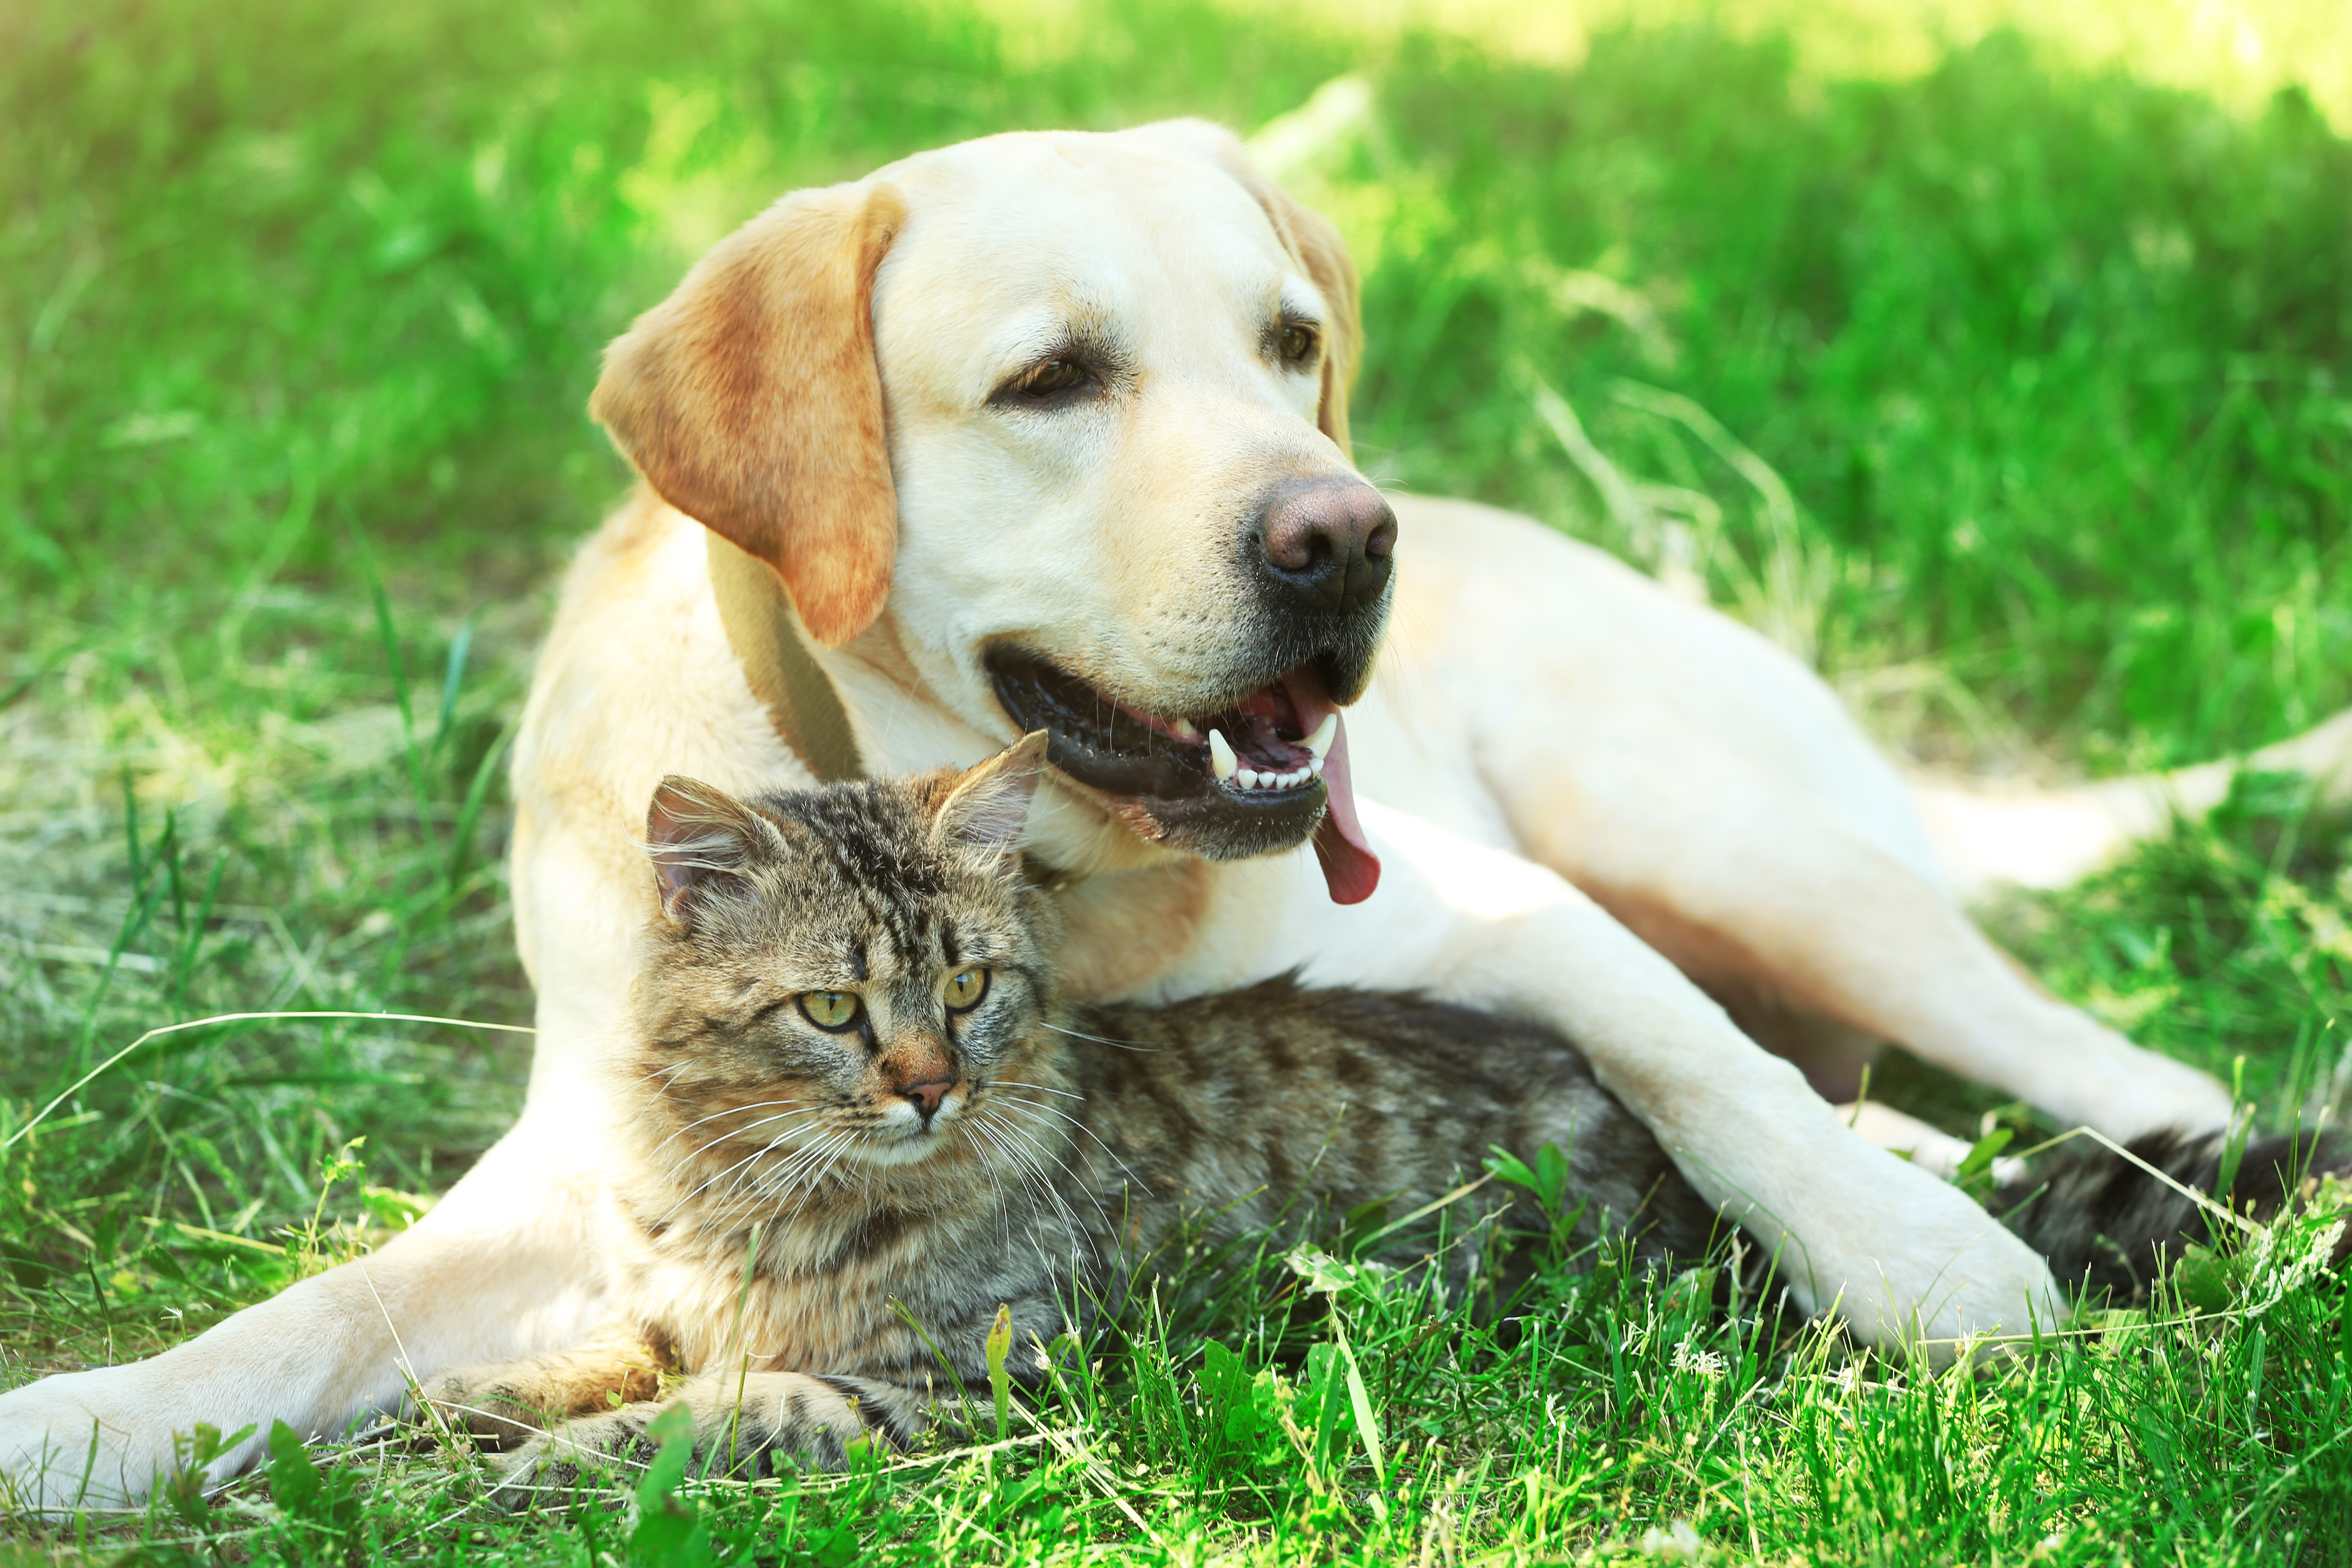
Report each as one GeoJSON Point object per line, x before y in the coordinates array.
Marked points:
{"type": "Point", "coordinates": [842, 978]}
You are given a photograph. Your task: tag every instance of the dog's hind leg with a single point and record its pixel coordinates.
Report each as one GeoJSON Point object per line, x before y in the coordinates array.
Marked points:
{"type": "Point", "coordinates": [1744, 884]}
{"type": "Point", "coordinates": [1986, 835]}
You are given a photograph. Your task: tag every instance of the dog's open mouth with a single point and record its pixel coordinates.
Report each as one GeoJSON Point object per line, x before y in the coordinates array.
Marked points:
{"type": "Point", "coordinates": [1259, 775]}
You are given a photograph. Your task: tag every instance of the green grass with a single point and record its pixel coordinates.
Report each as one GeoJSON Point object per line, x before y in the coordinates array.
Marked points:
{"type": "Point", "coordinates": [300, 304]}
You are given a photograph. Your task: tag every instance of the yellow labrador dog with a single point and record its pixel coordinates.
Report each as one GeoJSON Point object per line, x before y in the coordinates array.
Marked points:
{"type": "Point", "coordinates": [1050, 431]}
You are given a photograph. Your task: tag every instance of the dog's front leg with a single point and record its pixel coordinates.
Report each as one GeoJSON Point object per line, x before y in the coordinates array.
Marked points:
{"type": "Point", "coordinates": [498, 1268]}
{"type": "Point", "coordinates": [1904, 1256]}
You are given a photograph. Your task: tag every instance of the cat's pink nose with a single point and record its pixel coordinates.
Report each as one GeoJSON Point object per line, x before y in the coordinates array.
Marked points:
{"type": "Point", "coordinates": [926, 1097]}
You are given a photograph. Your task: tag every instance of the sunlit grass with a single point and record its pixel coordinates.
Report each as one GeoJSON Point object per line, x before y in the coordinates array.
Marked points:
{"type": "Point", "coordinates": [2237, 52]}
{"type": "Point", "coordinates": [1990, 368]}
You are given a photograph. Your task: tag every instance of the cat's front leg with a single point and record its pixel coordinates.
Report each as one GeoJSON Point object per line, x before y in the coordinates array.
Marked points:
{"type": "Point", "coordinates": [748, 1425]}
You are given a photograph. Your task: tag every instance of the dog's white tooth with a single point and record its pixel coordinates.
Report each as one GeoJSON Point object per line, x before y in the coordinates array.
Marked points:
{"type": "Point", "coordinates": [1220, 755]}
{"type": "Point", "coordinates": [1299, 777]}
{"type": "Point", "coordinates": [1184, 729]}
{"type": "Point", "coordinates": [1249, 778]}
{"type": "Point", "coordinates": [1325, 733]}
{"type": "Point", "coordinates": [1315, 766]}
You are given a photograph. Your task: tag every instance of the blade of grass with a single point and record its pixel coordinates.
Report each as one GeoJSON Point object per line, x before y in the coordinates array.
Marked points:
{"type": "Point", "coordinates": [157, 1034]}
{"type": "Point", "coordinates": [452, 679]}
{"type": "Point", "coordinates": [388, 633]}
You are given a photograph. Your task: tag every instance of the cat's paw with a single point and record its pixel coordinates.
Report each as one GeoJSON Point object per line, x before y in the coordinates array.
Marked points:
{"type": "Point", "coordinates": [747, 1428]}
{"type": "Point", "coordinates": [598, 1451]}
{"type": "Point", "coordinates": [497, 1408]}
{"type": "Point", "coordinates": [504, 1405]}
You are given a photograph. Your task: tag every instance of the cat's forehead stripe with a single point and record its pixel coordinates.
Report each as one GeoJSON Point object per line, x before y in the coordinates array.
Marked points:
{"type": "Point", "coordinates": [866, 847]}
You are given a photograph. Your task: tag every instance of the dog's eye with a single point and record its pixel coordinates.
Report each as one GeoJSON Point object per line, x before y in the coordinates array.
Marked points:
{"type": "Point", "coordinates": [964, 989]}
{"type": "Point", "coordinates": [1297, 343]}
{"type": "Point", "coordinates": [1054, 376]}
{"type": "Point", "coordinates": [833, 1010]}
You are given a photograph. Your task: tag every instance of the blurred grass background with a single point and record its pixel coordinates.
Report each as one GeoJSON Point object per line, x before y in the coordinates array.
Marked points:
{"type": "Point", "coordinates": [1990, 354]}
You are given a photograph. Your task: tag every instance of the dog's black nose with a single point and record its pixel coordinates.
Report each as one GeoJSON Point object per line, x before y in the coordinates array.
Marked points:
{"type": "Point", "coordinates": [1328, 541]}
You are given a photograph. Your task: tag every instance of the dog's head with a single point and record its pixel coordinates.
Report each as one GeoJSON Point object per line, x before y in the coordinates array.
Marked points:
{"type": "Point", "coordinates": [1074, 409]}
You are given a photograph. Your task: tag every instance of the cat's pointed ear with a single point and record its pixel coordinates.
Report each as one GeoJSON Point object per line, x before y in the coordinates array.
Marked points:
{"type": "Point", "coordinates": [699, 835]}
{"type": "Point", "coordinates": [989, 805]}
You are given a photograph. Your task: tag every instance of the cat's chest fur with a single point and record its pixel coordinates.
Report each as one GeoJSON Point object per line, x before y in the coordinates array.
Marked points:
{"type": "Point", "coordinates": [847, 1269]}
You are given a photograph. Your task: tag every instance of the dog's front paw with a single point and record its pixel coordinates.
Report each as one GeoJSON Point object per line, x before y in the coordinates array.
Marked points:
{"type": "Point", "coordinates": [104, 1438]}
{"type": "Point", "coordinates": [1937, 1273]}
{"type": "Point", "coordinates": [1917, 1265]}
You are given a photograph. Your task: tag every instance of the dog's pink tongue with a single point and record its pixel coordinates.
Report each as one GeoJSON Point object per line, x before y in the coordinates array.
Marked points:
{"type": "Point", "coordinates": [1349, 868]}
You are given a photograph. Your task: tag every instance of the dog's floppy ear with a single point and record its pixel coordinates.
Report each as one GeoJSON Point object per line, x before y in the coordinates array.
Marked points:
{"type": "Point", "coordinates": [1318, 250]}
{"type": "Point", "coordinates": [750, 401]}
{"type": "Point", "coordinates": [1308, 236]}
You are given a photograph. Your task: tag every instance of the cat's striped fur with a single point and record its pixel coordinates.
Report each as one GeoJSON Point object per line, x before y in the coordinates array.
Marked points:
{"type": "Point", "coordinates": [909, 1166]}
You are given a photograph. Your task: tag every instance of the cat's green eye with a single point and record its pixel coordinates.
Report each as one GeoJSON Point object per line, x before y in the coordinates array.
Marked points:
{"type": "Point", "coordinates": [964, 989]}
{"type": "Point", "coordinates": [830, 1009]}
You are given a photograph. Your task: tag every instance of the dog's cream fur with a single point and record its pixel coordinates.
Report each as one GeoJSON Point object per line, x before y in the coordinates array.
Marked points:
{"type": "Point", "coordinates": [1588, 794]}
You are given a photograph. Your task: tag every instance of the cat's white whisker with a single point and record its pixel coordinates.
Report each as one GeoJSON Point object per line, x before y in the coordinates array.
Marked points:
{"type": "Point", "coordinates": [998, 1169]}
{"type": "Point", "coordinates": [1075, 1181]}
{"type": "Point", "coordinates": [1046, 1088]}
{"type": "Point", "coordinates": [731, 1110]}
{"type": "Point", "coordinates": [739, 1165]}
{"type": "Point", "coordinates": [788, 1174]}
{"type": "Point", "coordinates": [840, 1143]}
{"type": "Point", "coordinates": [987, 1152]}
{"type": "Point", "coordinates": [1001, 1135]}
{"type": "Point", "coordinates": [1098, 1039]}
{"type": "Point", "coordinates": [774, 1143]}
{"type": "Point", "coordinates": [774, 1140]}
{"type": "Point", "coordinates": [1110, 1153]}
{"type": "Point", "coordinates": [1041, 1152]}
{"type": "Point", "coordinates": [1045, 1183]}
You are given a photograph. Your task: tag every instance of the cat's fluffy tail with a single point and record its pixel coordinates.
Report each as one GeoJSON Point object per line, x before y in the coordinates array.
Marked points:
{"type": "Point", "coordinates": [2104, 1221]}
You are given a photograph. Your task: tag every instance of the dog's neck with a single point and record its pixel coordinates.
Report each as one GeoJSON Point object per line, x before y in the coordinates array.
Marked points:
{"type": "Point", "coordinates": [774, 650]}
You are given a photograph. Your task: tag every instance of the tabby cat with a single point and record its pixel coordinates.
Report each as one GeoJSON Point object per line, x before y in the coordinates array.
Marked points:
{"type": "Point", "coordinates": [867, 1120]}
